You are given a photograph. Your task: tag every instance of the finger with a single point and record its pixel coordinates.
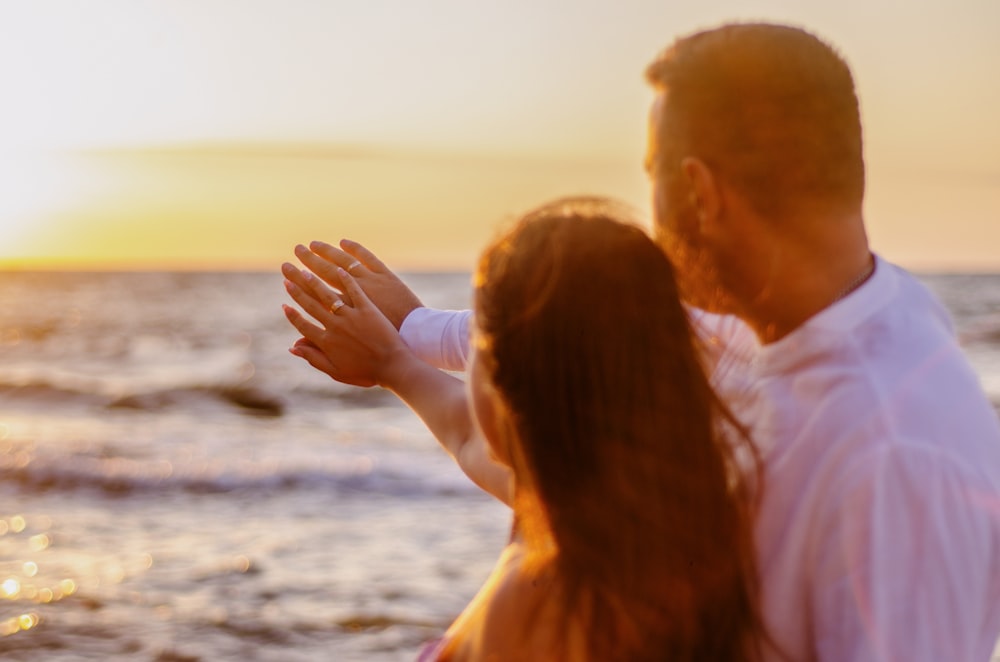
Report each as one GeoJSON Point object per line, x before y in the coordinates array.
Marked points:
{"type": "Point", "coordinates": [319, 266]}
{"type": "Point", "coordinates": [337, 257]}
{"type": "Point", "coordinates": [308, 330]}
{"type": "Point", "coordinates": [352, 289]}
{"type": "Point", "coordinates": [366, 256]}
{"type": "Point", "coordinates": [308, 282]}
{"type": "Point", "coordinates": [305, 342]}
{"type": "Point", "coordinates": [305, 349]}
{"type": "Point", "coordinates": [312, 285]}
{"type": "Point", "coordinates": [308, 300]}
{"type": "Point", "coordinates": [318, 310]}
{"type": "Point", "coordinates": [314, 357]}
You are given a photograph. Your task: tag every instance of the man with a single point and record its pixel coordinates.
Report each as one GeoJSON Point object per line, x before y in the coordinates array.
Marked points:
{"type": "Point", "coordinates": [879, 528]}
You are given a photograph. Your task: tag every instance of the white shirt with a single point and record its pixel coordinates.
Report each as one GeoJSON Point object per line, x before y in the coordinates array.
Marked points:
{"type": "Point", "coordinates": [879, 530]}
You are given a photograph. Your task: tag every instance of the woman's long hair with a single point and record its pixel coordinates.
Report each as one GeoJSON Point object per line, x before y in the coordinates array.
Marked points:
{"type": "Point", "coordinates": [616, 441]}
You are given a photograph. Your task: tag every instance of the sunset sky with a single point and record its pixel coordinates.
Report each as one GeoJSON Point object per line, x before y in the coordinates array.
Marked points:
{"type": "Point", "coordinates": [219, 133]}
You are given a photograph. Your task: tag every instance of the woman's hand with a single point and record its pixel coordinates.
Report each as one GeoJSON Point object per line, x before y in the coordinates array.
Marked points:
{"type": "Point", "coordinates": [389, 294]}
{"type": "Point", "coordinates": [353, 341]}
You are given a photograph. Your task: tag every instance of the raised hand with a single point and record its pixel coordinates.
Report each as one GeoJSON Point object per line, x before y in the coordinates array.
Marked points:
{"type": "Point", "coordinates": [383, 287]}
{"type": "Point", "coordinates": [353, 341]}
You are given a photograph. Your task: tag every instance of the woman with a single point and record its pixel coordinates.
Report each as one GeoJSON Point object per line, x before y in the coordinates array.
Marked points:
{"type": "Point", "coordinates": [592, 416]}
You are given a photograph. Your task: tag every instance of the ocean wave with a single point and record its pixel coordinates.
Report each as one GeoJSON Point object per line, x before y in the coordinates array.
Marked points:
{"type": "Point", "coordinates": [71, 635]}
{"type": "Point", "coordinates": [983, 330]}
{"type": "Point", "coordinates": [44, 392]}
{"type": "Point", "coordinates": [124, 477]}
{"type": "Point", "coordinates": [255, 399]}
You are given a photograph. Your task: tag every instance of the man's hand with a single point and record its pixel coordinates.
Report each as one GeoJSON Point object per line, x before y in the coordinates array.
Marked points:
{"type": "Point", "coordinates": [383, 287]}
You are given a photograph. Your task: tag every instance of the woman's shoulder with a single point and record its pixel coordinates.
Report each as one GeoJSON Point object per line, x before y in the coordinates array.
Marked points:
{"type": "Point", "coordinates": [519, 618]}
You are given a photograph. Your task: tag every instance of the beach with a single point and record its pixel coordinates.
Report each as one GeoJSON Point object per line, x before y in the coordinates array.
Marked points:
{"type": "Point", "coordinates": [176, 486]}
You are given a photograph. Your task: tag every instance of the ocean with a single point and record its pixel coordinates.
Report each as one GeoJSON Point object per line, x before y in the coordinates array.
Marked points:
{"type": "Point", "coordinates": [174, 486]}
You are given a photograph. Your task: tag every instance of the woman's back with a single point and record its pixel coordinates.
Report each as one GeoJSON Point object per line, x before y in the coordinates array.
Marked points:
{"type": "Point", "coordinates": [636, 537]}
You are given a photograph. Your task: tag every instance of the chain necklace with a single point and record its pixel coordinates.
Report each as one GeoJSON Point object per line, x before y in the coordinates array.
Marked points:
{"type": "Point", "coordinates": [858, 281]}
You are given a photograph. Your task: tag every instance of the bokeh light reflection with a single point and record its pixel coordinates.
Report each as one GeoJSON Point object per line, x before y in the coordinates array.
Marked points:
{"type": "Point", "coordinates": [18, 623]}
{"type": "Point", "coordinates": [28, 621]}
{"type": "Point", "coordinates": [241, 564]}
{"type": "Point", "coordinates": [67, 587]}
{"type": "Point", "coordinates": [10, 588]}
{"type": "Point", "coordinates": [39, 542]}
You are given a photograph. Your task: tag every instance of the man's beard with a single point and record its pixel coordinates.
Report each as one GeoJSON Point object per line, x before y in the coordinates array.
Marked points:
{"type": "Point", "coordinates": [694, 265]}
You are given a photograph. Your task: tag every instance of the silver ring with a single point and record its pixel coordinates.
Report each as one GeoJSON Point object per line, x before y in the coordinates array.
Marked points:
{"type": "Point", "coordinates": [337, 305]}
{"type": "Point", "coordinates": [352, 266]}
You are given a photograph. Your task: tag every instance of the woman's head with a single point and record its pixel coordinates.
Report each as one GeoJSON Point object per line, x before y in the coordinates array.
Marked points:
{"type": "Point", "coordinates": [611, 426]}
{"type": "Point", "coordinates": [572, 304]}
{"type": "Point", "coordinates": [556, 298]}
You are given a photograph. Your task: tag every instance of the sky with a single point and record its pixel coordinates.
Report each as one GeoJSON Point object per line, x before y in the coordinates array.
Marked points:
{"type": "Point", "coordinates": [219, 133]}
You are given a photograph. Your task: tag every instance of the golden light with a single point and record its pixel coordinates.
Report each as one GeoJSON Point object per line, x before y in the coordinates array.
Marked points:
{"type": "Point", "coordinates": [115, 574]}
{"type": "Point", "coordinates": [32, 188]}
{"type": "Point", "coordinates": [27, 621]}
{"type": "Point", "coordinates": [10, 588]}
{"type": "Point", "coordinates": [9, 627]}
{"type": "Point", "coordinates": [67, 586]}
{"type": "Point", "coordinates": [42, 194]}
{"type": "Point", "coordinates": [39, 542]}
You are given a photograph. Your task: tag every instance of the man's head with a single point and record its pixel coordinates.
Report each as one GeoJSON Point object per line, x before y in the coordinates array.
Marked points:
{"type": "Point", "coordinates": [767, 112]}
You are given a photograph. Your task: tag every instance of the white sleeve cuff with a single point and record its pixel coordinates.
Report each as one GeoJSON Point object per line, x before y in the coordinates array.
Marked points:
{"type": "Point", "coordinates": [439, 337]}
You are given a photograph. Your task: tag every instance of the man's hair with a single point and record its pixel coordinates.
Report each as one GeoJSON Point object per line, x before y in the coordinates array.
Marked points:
{"type": "Point", "coordinates": [772, 108]}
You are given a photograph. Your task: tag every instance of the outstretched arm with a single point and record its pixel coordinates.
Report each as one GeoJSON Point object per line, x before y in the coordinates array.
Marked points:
{"type": "Point", "coordinates": [358, 345]}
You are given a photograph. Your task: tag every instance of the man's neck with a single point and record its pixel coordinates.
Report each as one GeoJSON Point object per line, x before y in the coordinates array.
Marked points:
{"type": "Point", "coordinates": [801, 279]}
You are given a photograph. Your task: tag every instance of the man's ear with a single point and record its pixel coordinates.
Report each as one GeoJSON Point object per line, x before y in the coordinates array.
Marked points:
{"type": "Point", "coordinates": [705, 198]}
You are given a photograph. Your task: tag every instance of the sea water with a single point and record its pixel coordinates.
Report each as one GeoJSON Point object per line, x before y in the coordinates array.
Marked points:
{"type": "Point", "coordinates": [175, 486]}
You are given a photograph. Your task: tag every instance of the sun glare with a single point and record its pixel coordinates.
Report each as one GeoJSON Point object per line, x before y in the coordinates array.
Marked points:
{"type": "Point", "coordinates": [30, 188]}
{"type": "Point", "coordinates": [36, 189]}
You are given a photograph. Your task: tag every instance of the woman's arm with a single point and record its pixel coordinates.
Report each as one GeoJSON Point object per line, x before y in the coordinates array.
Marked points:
{"type": "Point", "coordinates": [358, 345]}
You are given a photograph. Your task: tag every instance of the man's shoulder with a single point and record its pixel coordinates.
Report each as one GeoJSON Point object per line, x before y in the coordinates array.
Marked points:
{"type": "Point", "coordinates": [727, 342]}
{"type": "Point", "coordinates": [909, 293]}
{"type": "Point", "coordinates": [883, 379]}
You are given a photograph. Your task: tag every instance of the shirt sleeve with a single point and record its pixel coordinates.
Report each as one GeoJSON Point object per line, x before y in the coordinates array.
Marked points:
{"type": "Point", "coordinates": [439, 337]}
{"type": "Point", "coordinates": [904, 563]}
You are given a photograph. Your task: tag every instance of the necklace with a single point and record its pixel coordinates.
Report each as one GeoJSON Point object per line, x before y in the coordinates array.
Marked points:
{"type": "Point", "coordinates": [858, 281]}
